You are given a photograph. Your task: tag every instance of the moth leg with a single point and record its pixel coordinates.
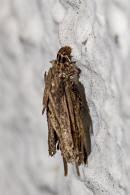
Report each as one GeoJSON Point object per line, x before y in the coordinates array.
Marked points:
{"type": "Point", "coordinates": [65, 167]}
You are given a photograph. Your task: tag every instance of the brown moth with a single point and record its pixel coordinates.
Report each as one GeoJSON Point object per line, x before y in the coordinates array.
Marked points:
{"type": "Point", "coordinates": [65, 106]}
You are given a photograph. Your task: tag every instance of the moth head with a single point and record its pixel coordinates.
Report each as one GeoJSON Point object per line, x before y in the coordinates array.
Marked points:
{"type": "Point", "coordinates": [64, 54]}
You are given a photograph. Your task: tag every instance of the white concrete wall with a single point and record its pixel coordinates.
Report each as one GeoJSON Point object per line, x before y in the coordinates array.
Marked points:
{"type": "Point", "coordinates": [31, 32]}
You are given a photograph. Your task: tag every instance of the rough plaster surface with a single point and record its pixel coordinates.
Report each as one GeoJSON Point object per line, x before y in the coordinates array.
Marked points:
{"type": "Point", "coordinates": [31, 32]}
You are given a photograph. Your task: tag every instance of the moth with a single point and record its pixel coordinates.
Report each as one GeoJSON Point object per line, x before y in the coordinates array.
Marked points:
{"type": "Point", "coordinates": [65, 106]}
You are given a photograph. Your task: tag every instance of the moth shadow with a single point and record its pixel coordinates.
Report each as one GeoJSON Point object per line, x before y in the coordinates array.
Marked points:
{"type": "Point", "coordinates": [86, 119]}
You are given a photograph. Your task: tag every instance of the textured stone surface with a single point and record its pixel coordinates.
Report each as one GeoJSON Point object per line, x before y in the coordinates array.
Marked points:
{"type": "Point", "coordinates": [31, 32]}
